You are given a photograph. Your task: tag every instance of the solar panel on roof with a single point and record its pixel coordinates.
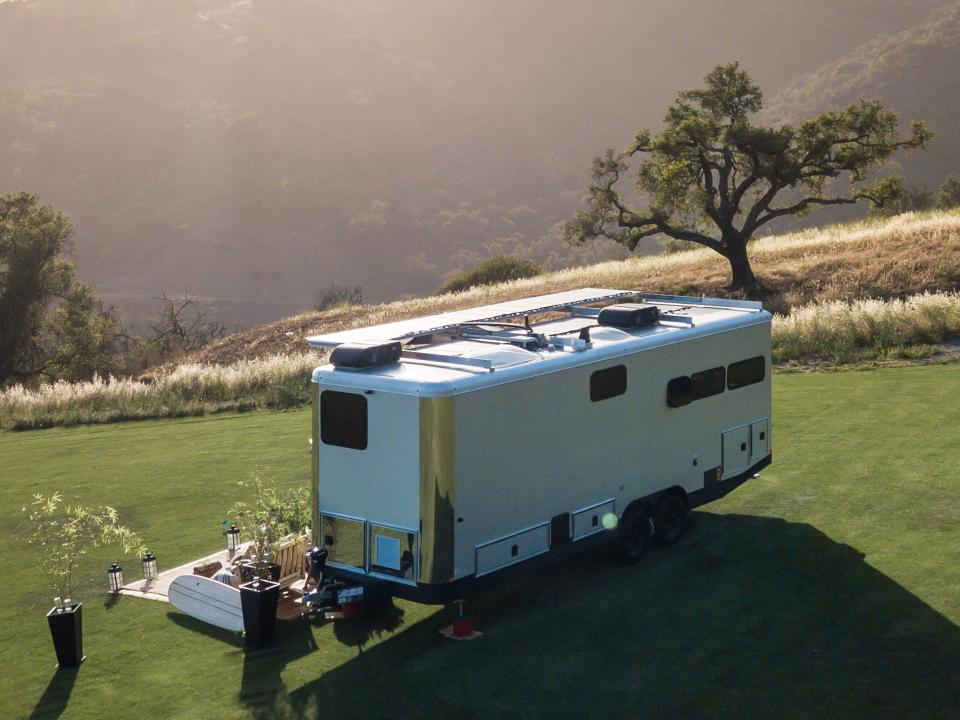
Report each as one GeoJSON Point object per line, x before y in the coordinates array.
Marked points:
{"type": "Point", "coordinates": [406, 329]}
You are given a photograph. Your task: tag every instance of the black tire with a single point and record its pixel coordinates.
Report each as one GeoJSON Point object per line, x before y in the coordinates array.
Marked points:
{"type": "Point", "coordinates": [669, 520]}
{"type": "Point", "coordinates": [633, 536]}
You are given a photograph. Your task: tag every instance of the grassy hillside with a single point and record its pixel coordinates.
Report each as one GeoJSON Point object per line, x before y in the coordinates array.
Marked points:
{"type": "Point", "coordinates": [905, 255]}
{"type": "Point", "coordinates": [828, 587]}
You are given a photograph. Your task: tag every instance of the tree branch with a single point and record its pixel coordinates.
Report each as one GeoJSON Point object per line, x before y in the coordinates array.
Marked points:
{"type": "Point", "coordinates": [802, 205]}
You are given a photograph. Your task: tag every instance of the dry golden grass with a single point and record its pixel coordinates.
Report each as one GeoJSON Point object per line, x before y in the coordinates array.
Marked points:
{"type": "Point", "coordinates": [892, 258]}
{"type": "Point", "coordinates": [193, 389]}
{"type": "Point", "coordinates": [841, 331]}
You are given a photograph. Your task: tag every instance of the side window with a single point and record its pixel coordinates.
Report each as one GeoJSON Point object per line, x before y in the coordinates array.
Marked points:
{"type": "Point", "coordinates": [608, 383]}
{"type": "Point", "coordinates": [708, 382]}
{"type": "Point", "coordinates": [746, 372]}
{"type": "Point", "coordinates": [343, 419]}
{"type": "Point", "coordinates": [679, 392]}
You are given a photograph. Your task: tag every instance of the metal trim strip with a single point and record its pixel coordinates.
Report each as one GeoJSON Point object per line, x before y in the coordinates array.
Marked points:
{"type": "Point", "coordinates": [437, 490]}
{"type": "Point", "coordinates": [315, 465]}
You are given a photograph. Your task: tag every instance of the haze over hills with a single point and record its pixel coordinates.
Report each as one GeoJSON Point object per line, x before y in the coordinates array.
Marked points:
{"type": "Point", "coordinates": [913, 71]}
{"type": "Point", "coordinates": [253, 152]}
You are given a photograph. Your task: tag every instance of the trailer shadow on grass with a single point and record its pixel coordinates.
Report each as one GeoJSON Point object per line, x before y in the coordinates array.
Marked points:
{"type": "Point", "coordinates": [745, 617]}
{"type": "Point", "coordinates": [262, 688]}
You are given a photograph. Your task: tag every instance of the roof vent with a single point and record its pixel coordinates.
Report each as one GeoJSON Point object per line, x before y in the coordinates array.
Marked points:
{"type": "Point", "coordinates": [629, 315]}
{"type": "Point", "coordinates": [357, 356]}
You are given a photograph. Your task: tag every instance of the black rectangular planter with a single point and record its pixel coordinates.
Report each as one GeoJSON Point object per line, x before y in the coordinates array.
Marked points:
{"type": "Point", "coordinates": [66, 628]}
{"type": "Point", "coordinates": [258, 600]}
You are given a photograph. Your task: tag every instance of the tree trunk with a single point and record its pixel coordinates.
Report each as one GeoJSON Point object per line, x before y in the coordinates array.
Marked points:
{"type": "Point", "coordinates": [742, 274]}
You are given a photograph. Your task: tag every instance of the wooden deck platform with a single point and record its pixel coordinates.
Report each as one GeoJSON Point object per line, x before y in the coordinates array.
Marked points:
{"type": "Point", "coordinates": [158, 588]}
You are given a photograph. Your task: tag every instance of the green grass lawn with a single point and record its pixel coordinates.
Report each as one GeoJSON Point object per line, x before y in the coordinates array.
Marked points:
{"type": "Point", "coordinates": [828, 587]}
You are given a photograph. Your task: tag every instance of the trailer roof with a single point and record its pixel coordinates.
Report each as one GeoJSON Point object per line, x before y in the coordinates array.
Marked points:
{"type": "Point", "coordinates": [409, 329]}
{"type": "Point", "coordinates": [467, 349]}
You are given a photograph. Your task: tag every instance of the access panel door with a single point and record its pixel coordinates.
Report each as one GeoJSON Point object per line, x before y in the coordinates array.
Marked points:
{"type": "Point", "coordinates": [736, 451]}
{"type": "Point", "coordinates": [759, 440]}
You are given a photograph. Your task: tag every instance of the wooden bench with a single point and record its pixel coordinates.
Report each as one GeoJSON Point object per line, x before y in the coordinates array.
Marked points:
{"type": "Point", "coordinates": [290, 555]}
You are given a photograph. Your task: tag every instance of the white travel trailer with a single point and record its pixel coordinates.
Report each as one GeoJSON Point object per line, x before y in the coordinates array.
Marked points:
{"type": "Point", "coordinates": [449, 448]}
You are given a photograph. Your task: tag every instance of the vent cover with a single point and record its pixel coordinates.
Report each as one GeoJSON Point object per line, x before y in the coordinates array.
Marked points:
{"type": "Point", "coordinates": [365, 356]}
{"type": "Point", "coordinates": [629, 315]}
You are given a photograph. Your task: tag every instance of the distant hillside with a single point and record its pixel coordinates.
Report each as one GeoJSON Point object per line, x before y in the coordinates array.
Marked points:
{"type": "Point", "coordinates": [913, 72]}
{"type": "Point", "coordinates": [906, 255]}
{"type": "Point", "coordinates": [253, 152]}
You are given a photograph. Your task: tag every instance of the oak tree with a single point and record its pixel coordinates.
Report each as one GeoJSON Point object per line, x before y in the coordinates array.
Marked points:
{"type": "Point", "coordinates": [713, 177]}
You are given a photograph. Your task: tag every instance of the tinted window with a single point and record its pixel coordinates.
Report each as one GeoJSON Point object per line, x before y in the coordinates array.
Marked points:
{"type": "Point", "coordinates": [746, 372]}
{"type": "Point", "coordinates": [605, 384]}
{"type": "Point", "coordinates": [679, 392]}
{"type": "Point", "coordinates": [343, 419]}
{"type": "Point", "coordinates": [708, 382]}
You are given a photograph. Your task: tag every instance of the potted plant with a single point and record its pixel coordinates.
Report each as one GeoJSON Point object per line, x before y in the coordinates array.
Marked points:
{"type": "Point", "coordinates": [273, 516]}
{"type": "Point", "coordinates": [264, 523]}
{"type": "Point", "coordinates": [63, 534]}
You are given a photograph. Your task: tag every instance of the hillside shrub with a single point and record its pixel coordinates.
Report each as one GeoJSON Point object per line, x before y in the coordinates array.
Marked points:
{"type": "Point", "coordinates": [502, 268]}
{"type": "Point", "coordinates": [335, 295]}
{"type": "Point", "coordinates": [948, 194]}
{"type": "Point", "coordinates": [673, 246]}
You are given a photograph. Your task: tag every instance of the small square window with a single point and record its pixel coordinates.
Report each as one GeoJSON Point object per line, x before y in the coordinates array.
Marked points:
{"type": "Point", "coordinates": [605, 384]}
{"type": "Point", "coordinates": [343, 419]}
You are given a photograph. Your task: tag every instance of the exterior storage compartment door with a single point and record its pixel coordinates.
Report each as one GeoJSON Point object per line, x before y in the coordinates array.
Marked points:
{"type": "Point", "coordinates": [736, 451]}
{"type": "Point", "coordinates": [759, 440]}
{"type": "Point", "coordinates": [513, 548]}
{"type": "Point", "coordinates": [589, 521]}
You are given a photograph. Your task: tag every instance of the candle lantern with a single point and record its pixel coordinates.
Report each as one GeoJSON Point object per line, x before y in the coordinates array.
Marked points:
{"type": "Point", "coordinates": [233, 538]}
{"type": "Point", "coordinates": [149, 566]}
{"type": "Point", "coordinates": [115, 577]}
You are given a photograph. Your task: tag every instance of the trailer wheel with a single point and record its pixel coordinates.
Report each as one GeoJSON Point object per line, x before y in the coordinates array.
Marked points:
{"type": "Point", "coordinates": [669, 519]}
{"type": "Point", "coordinates": [634, 536]}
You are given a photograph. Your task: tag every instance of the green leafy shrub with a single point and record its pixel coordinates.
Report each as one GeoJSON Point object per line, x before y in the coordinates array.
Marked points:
{"type": "Point", "coordinates": [673, 246]}
{"type": "Point", "coordinates": [272, 515]}
{"type": "Point", "coordinates": [948, 195]}
{"type": "Point", "coordinates": [502, 268]}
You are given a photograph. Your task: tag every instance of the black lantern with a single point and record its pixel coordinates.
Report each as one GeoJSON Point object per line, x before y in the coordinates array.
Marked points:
{"type": "Point", "coordinates": [149, 566]}
{"type": "Point", "coordinates": [233, 539]}
{"type": "Point", "coordinates": [115, 577]}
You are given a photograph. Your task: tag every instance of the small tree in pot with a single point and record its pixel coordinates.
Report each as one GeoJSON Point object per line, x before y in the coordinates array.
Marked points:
{"type": "Point", "coordinates": [273, 515]}
{"type": "Point", "coordinates": [63, 534]}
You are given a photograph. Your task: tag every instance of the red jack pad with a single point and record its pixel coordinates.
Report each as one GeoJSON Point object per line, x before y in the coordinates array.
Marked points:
{"type": "Point", "coordinates": [461, 629]}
